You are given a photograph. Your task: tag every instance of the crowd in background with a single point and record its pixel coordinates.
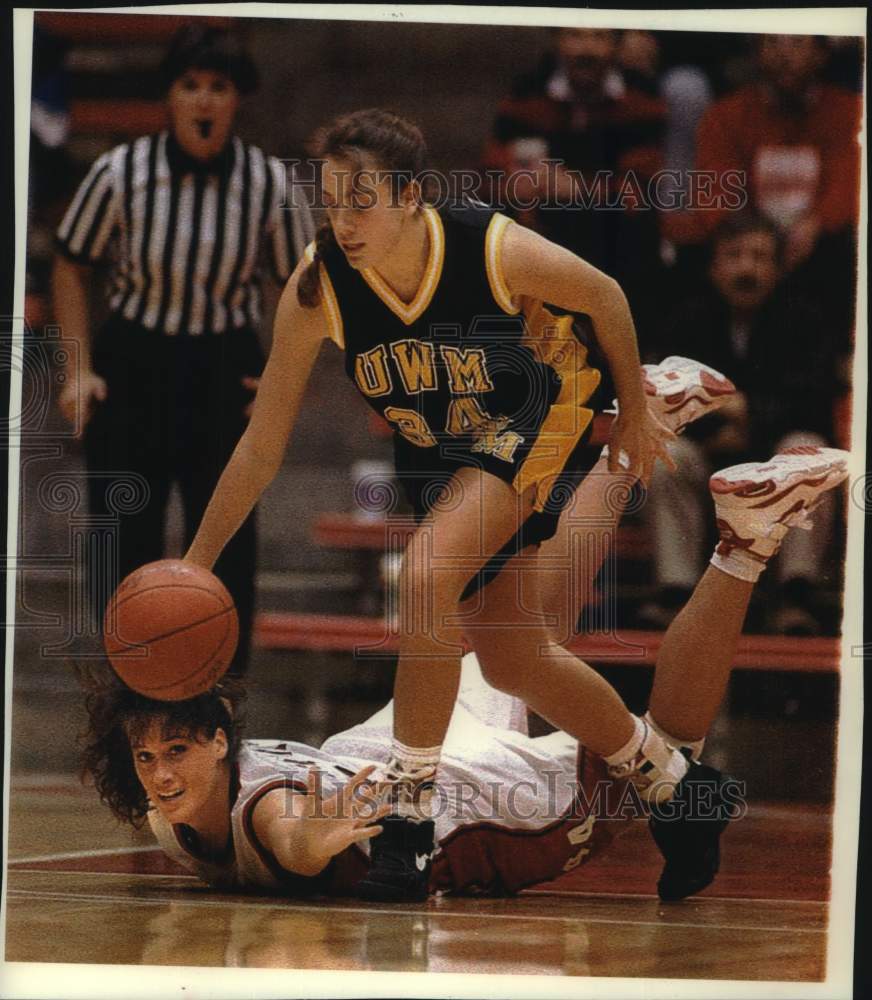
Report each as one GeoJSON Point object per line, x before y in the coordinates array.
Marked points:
{"type": "Point", "coordinates": [750, 270]}
{"type": "Point", "coordinates": [761, 288]}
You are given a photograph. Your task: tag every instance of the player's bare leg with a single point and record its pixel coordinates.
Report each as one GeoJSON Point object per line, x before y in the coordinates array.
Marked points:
{"type": "Point", "coordinates": [569, 561]}
{"type": "Point", "coordinates": [678, 391]}
{"type": "Point", "coordinates": [523, 662]}
{"type": "Point", "coordinates": [450, 547]}
{"type": "Point", "coordinates": [475, 514]}
{"type": "Point", "coordinates": [504, 624]}
{"type": "Point", "coordinates": [698, 650]}
{"type": "Point", "coordinates": [696, 656]}
{"type": "Point", "coordinates": [755, 504]}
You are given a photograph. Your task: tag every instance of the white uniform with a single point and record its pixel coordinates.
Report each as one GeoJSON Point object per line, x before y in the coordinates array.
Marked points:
{"type": "Point", "coordinates": [262, 766]}
{"type": "Point", "coordinates": [506, 805]}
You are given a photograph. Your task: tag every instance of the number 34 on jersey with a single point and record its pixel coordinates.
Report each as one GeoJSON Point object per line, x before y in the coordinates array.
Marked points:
{"type": "Point", "coordinates": [417, 367]}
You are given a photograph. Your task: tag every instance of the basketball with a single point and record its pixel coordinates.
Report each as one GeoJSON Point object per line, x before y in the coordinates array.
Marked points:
{"type": "Point", "coordinates": [170, 630]}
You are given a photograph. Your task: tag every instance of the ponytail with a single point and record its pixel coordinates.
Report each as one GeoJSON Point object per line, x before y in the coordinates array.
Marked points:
{"type": "Point", "coordinates": [309, 285]}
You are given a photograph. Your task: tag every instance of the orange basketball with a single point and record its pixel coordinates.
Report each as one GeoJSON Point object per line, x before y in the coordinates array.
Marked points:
{"type": "Point", "coordinates": [170, 630]}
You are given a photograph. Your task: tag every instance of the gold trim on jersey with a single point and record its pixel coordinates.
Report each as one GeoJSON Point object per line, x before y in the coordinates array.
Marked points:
{"type": "Point", "coordinates": [409, 312]}
{"type": "Point", "coordinates": [329, 301]}
{"type": "Point", "coordinates": [493, 262]}
{"type": "Point", "coordinates": [554, 343]}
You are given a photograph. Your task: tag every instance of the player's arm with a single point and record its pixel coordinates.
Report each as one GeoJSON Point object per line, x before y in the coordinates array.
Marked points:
{"type": "Point", "coordinates": [304, 831]}
{"type": "Point", "coordinates": [82, 237]}
{"type": "Point", "coordinates": [280, 826]}
{"type": "Point", "coordinates": [70, 284]}
{"type": "Point", "coordinates": [297, 336]}
{"type": "Point", "coordinates": [539, 269]}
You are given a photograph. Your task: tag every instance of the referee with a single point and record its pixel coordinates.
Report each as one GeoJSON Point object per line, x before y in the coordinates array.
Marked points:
{"type": "Point", "coordinates": [165, 388]}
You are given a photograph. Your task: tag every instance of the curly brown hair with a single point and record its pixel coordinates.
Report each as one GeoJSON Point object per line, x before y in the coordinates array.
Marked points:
{"type": "Point", "coordinates": [118, 716]}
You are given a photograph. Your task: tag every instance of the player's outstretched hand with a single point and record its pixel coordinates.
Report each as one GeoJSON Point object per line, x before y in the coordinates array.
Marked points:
{"type": "Point", "coordinates": [635, 445]}
{"type": "Point", "coordinates": [347, 817]}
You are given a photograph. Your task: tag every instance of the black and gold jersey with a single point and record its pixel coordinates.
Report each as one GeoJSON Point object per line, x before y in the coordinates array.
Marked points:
{"type": "Point", "coordinates": [463, 374]}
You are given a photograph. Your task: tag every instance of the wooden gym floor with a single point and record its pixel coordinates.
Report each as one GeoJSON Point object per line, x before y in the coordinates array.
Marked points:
{"type": "Point", "coordinates": [82, 889]}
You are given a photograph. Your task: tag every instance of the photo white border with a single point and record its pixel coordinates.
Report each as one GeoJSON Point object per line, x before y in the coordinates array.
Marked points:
{"type": "Point", "coordinates": [54, 980]}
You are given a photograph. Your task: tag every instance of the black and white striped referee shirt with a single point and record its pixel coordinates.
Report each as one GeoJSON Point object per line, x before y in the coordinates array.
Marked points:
{"type": "Point", "coordinates": [184, 241]}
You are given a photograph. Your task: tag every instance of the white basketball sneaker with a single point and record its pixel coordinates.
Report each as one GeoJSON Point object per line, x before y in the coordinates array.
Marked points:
{"type": "Point", "coordinates": [757, 503]}
{"type": "Point", "coordinates": [681, 390]}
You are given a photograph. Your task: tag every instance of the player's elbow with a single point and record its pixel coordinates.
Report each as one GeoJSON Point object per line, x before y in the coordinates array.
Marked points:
{"type": "Point", "coordinates": [292, 853]}
{"type": "Point", "coordinates": [609, 292]}
{"type": "Point", "coordinates": [606, 301]}
{"type": "Point", "coordinates": [306, 867]}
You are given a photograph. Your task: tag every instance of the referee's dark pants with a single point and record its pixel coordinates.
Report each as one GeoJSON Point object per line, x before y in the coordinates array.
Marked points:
{"type": "Point", "coordinates": [173, 413]}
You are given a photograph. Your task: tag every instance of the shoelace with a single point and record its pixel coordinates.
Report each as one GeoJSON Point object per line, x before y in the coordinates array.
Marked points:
{"type": "Point", "coordinates": [631, 770]}
{"type": "Point", "coordinates": [407, 787]}
{"type": "Point", "coordinates": [393, 775]}
{"type": "Point", "coordinates": [637, 770]}
{"type": "Point", "coordinates": [798, 519]}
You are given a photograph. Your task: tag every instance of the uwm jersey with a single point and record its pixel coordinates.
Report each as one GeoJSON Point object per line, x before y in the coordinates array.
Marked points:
{"type": "Point", "coordinates": [462, 373]}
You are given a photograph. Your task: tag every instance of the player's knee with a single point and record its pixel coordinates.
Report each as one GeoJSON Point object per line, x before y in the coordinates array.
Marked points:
{"type": "Point", "coordinates": [428, 608]}
{"type": "Point", "coordinates": [498, 666]}
{"type": "Point", "coordinates": [498, 675]}
{"type": "Point", "coordinates": [431, 584]}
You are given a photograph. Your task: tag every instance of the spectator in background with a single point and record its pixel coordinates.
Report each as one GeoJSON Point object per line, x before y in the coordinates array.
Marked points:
{"type": "Point", "coordinates": [775, 346]}
{"type": "Point", "coordinates": [581, 106]}
{"type": "Point", "coordinates": [49, 162]}
{"type": "Point", "coordinates": [845, 65]}
{"type": "Point", "coordinates": [165, 387]}
{"type": "Point", "coordinates": [49, 118]}
{"type": "Point", "coordinates": [796, 139]}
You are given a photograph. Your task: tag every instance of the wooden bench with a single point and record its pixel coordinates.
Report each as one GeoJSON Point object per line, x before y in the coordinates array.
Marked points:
{"type": "Point", "coordinates": [351, 531]}
{"type": "Point", "coordinates": [629, 647]}
{"type": "Point", "coordinates": [369, 538]}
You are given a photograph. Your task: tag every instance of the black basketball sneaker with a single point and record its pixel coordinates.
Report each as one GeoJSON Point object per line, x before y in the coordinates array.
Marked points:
{"type": "Point", "coordinates": [687, 829]}
{"type": "Point", "coordinates": [400, 858]}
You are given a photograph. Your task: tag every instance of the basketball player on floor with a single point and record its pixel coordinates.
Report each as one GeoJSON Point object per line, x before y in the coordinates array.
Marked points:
{"type": "Point", "coordinates": [287, 817]}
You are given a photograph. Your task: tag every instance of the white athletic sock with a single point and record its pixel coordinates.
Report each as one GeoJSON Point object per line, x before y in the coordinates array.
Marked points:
{"type": "Point", "coordinates": [694, 746]}
{"type": "Point", "coordinates": [653, 767]}
{"type": "Point", "coordinates": [412, 770]}
{"type": "Point", "coordinates": [740, 564]}
{"type": "Point", "coordinates": [631, 748]}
